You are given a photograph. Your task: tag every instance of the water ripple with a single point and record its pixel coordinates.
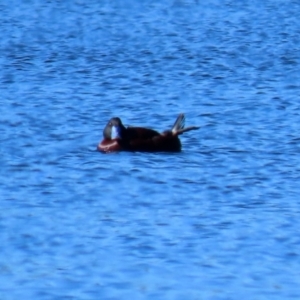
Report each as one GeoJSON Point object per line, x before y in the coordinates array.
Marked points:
{"type": "Point", "coordinates": [218, 220]}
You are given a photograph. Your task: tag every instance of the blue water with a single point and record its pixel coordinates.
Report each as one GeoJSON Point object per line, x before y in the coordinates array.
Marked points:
{"type": "Point", "coordinates": [220, 220]}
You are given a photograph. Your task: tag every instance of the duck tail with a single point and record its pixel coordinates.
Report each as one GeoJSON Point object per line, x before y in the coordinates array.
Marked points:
{"type": "Point", "coordinates": [178, 127]}
{"type": "Point", "coordinates": [179, 124]}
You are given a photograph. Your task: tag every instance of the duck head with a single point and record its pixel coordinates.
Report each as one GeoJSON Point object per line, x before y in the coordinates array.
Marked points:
{"type": "Point", "coordinates": [114, 129]}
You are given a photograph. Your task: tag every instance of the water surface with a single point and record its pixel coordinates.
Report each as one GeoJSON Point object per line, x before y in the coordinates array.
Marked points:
{"type": "Point", "coordinates": [220, 220]}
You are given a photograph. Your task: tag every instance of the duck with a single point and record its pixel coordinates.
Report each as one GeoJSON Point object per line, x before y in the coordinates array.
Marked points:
{"type": "Point", "coordinates": [117, 137]}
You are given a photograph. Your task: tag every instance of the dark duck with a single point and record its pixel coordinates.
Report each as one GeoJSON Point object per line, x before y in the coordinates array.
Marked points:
{"type": "Point", "coordinates": [117, 137]}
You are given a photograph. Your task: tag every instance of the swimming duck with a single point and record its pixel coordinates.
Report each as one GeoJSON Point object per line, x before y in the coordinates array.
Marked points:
{"type": "Point", "coordinates": [117, 137]}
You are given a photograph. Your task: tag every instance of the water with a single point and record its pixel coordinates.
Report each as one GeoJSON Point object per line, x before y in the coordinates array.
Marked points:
{"type": "Point", "coordinates": [220, 220]}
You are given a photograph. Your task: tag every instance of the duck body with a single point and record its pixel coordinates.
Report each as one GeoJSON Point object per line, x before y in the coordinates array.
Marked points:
{"type": "Point", "coordinates": [119, 138]}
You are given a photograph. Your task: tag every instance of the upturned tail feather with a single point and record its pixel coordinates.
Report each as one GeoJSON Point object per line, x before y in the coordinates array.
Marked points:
{"type": "Point", "coordinates": [178, 127]}
{"type": "Point", "coordinates": [179, 123]}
